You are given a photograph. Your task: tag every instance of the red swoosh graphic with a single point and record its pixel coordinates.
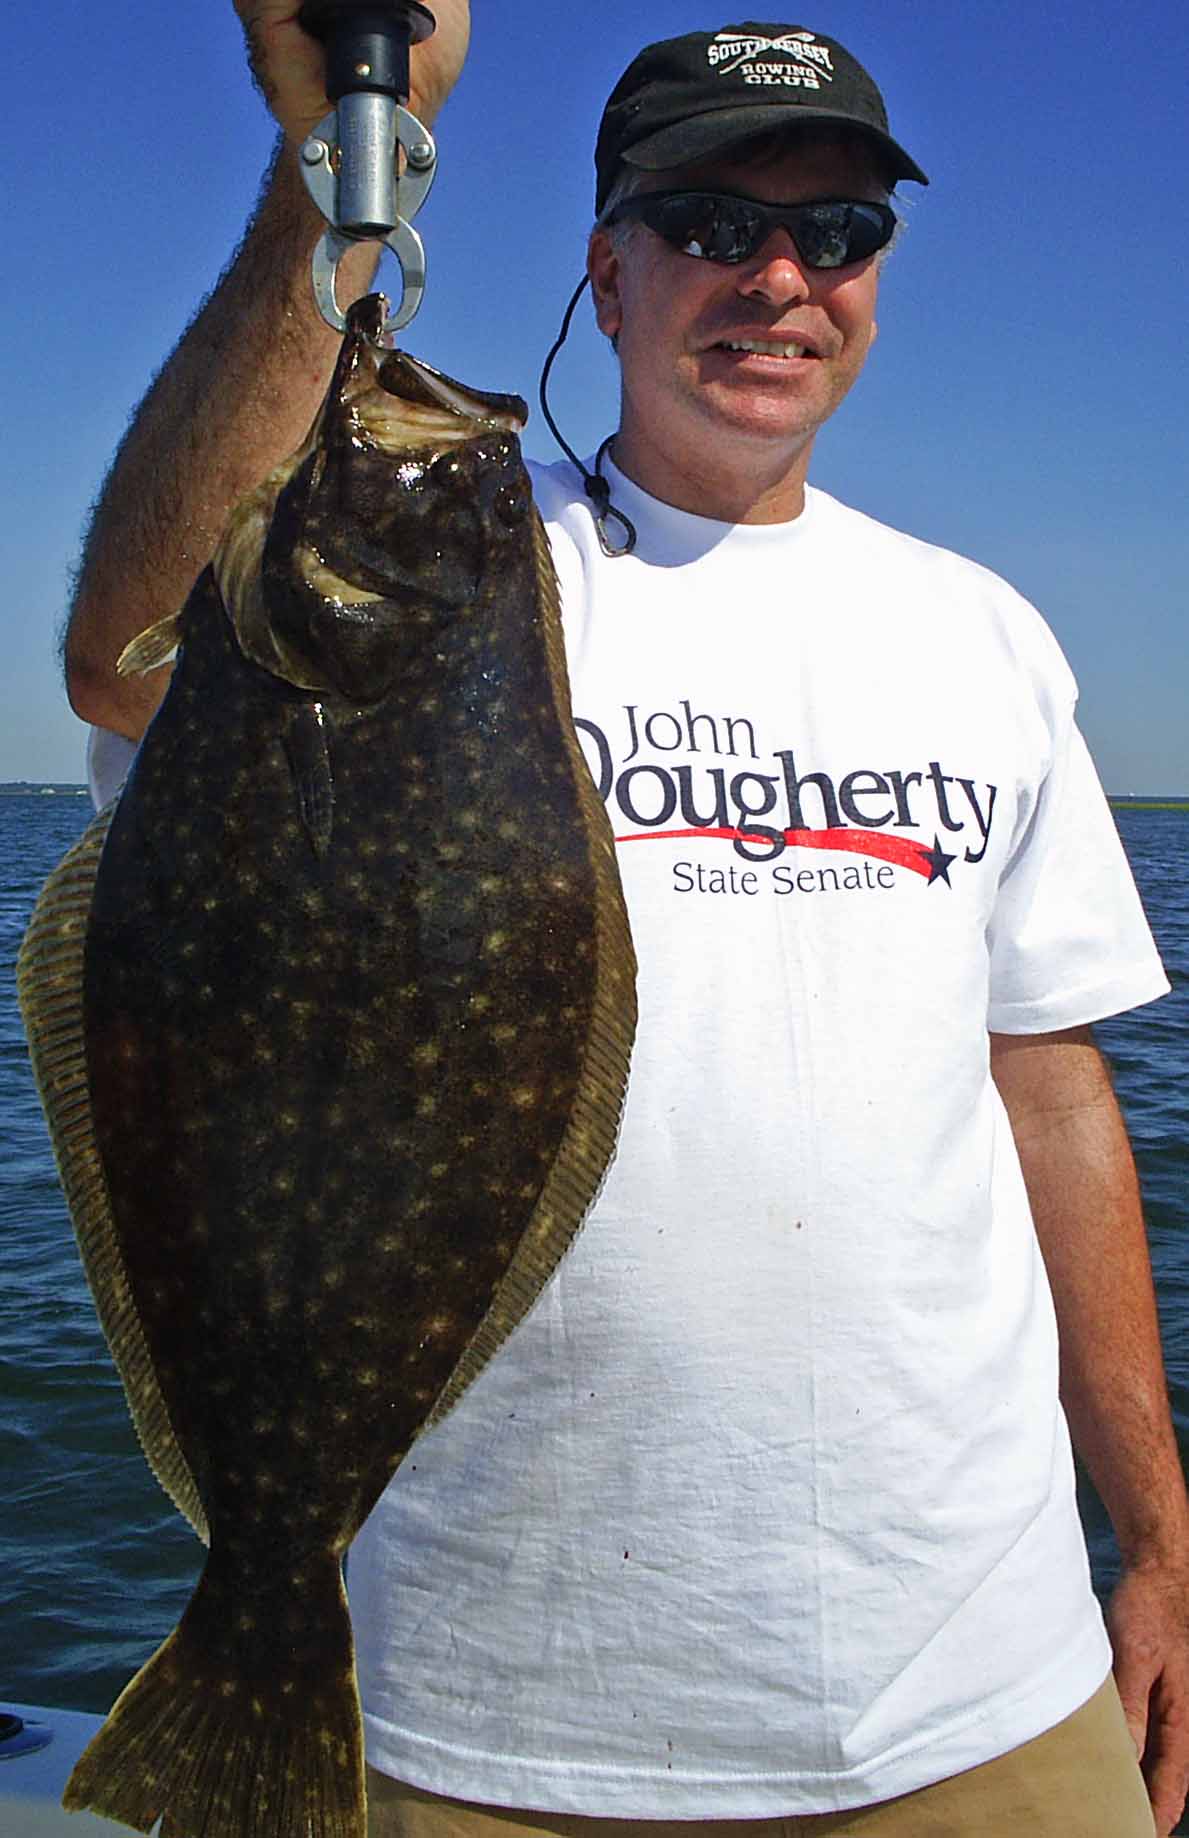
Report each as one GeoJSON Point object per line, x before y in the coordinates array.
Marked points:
{"type": "Point", "coordinates": [896, 849]}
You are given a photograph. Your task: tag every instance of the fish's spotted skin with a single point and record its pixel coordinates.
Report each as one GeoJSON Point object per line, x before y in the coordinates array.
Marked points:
{"type": "Point", "coordinates": [356, 998]}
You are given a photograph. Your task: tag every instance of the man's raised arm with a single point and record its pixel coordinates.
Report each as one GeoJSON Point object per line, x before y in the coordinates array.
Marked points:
{"type": "Point", "coordinates": [239, 391]}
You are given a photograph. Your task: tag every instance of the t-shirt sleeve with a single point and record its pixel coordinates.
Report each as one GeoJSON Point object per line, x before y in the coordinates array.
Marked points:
{"type": "Point", "coordinates": [108, 759]}
{"type": "Point", "coordinates": [1069, 941]}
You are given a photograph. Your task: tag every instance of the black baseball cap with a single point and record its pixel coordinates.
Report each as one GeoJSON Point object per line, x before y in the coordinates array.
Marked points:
{"type": "Point", "coordinates": [685, 98]}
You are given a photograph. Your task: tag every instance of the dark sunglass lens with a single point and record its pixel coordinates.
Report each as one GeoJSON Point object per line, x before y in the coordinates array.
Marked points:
{"type": "Point", "coordinates": [733, 230]}
{"type": "Point", "coordinates": [834, 235]}
{"type": "Point", "coordinates": [870, 228]}
{"type": "Point", "coordinates": [824, 235]}
{"type": "Point", "coordinates": [717, 229]}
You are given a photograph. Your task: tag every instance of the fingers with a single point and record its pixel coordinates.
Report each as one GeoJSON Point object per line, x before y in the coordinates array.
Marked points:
{"type": "Point", "coordinates": [1134, 1681]}
{"type": "Point", "coordinates": [1166, 1758]}
{"type": "Point", "coordinates": [289, 68]}
{"type": "Point", "coordinates": [288, 65]}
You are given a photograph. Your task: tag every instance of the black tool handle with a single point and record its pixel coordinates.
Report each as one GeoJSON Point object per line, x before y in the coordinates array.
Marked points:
{"type": "Point", "coordinates": [367, 42]}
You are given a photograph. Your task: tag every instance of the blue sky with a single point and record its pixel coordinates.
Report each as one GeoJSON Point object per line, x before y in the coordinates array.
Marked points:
{"type": "Point", "coordinates": [1027, 402]}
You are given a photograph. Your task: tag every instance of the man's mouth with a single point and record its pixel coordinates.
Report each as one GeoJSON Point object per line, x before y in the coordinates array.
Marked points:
{"type": "Point", "coordinates": [766, 347]}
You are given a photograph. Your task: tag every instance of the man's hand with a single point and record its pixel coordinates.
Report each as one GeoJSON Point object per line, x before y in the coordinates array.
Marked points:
{"type": "Point", "coordinates": [290, 69]}
{"type": "Point", "coordinates": [1148, 1620]}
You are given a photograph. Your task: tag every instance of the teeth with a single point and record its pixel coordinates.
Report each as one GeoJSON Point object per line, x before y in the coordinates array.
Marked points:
{"type": "Point", "coordinates": [767, 347]}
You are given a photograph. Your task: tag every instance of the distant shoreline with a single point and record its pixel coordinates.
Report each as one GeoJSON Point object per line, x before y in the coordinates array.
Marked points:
{"type": "Point", "coordinates": [24, 788]}
{"type": "Point", "coordinates": [1141, 803]}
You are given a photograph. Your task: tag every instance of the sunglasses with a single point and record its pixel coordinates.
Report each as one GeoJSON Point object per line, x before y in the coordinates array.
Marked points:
{"type": "Point", "coordinates": [828, 233]}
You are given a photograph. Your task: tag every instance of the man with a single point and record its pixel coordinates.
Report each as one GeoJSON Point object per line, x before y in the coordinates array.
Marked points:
{"type": "Point", "coordinates": [766, 1512]}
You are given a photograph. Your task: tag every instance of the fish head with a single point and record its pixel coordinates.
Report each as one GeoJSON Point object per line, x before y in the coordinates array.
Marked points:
{"type": "Point", "coordinates": [409, 491]}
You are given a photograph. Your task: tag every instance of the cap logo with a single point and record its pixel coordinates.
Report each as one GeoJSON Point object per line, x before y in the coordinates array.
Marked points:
{"type": "Point", "coordinates": [732, 51]}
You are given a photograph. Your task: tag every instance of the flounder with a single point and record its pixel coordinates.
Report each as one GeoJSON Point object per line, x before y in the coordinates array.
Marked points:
{"type": "Point", "coordinates": [331, 1014]}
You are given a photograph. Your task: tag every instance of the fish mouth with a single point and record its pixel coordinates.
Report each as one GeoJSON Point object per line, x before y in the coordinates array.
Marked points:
{"type": "Point", "coordinates": [397, 400]}
{"type": "Point", "coordinates": [423, 392]}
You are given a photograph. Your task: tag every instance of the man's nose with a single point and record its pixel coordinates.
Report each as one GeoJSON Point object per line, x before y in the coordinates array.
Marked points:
{"type": "Point", "coordinates": [775, 272]}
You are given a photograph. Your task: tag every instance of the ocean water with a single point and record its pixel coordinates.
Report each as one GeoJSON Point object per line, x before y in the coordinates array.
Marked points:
{"type": "Point", "coordinates": [97, 1565]}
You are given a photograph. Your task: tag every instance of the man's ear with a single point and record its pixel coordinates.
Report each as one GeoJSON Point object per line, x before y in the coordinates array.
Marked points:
{"type": "Point", "coordinates": [602, 265]}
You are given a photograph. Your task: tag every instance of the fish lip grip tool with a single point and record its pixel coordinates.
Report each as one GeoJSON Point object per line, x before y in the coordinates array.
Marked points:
{"type": "Point", "coordinates": [351, 160]}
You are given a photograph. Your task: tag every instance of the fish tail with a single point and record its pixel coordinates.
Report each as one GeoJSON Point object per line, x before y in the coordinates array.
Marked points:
{"type": "Point", "coordinates": [221, 1741]}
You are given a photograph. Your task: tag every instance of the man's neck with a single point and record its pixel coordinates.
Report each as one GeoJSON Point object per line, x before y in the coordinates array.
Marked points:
{"type": "Point", "coordinates": [763, 488]}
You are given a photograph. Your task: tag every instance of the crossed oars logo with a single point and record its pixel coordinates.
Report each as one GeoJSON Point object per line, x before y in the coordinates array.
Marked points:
{"type": "Point", "coordinates": [794, 43]}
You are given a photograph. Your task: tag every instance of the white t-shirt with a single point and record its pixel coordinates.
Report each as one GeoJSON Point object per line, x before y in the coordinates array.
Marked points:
{"type": "Point", "coordinates": [768, 1506]}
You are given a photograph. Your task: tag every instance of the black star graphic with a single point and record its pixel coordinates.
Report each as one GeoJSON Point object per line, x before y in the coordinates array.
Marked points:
{"type": "Point", "coordinates": [939, 863]}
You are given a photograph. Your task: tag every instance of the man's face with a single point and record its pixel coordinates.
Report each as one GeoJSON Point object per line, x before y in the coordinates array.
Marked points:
{"type": "Point", "coordinates": [679, 321]}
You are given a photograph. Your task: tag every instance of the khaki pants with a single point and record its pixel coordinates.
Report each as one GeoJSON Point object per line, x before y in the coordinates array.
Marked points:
{"type": "Point", "coordinates": [1079, 1780]}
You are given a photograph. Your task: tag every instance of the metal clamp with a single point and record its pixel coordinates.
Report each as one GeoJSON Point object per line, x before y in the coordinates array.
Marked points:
{"type": "Point", "coordinates": [351, 171]}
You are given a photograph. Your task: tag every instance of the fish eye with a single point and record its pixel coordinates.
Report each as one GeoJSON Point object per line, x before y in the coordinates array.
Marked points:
{"type": "Point", "coordinates": [511, 503]}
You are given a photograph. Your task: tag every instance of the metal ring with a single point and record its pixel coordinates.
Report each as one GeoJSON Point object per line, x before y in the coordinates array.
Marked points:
{"type": "Point", "coordinates": [409, 251]}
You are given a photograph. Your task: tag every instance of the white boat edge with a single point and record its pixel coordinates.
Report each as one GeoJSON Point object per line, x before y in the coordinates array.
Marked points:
{"type": "Point", "coordinates": [31, 1785]}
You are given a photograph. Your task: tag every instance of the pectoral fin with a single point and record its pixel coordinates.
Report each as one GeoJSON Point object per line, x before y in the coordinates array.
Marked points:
{"type": "Point", "coordinates": [309, 761]}
{"type": "Point", "coordinates": [151, 648]}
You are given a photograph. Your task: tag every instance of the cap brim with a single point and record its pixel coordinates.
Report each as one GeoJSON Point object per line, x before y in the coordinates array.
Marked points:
{"type": "Point", "coordinates": [717, 129]}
